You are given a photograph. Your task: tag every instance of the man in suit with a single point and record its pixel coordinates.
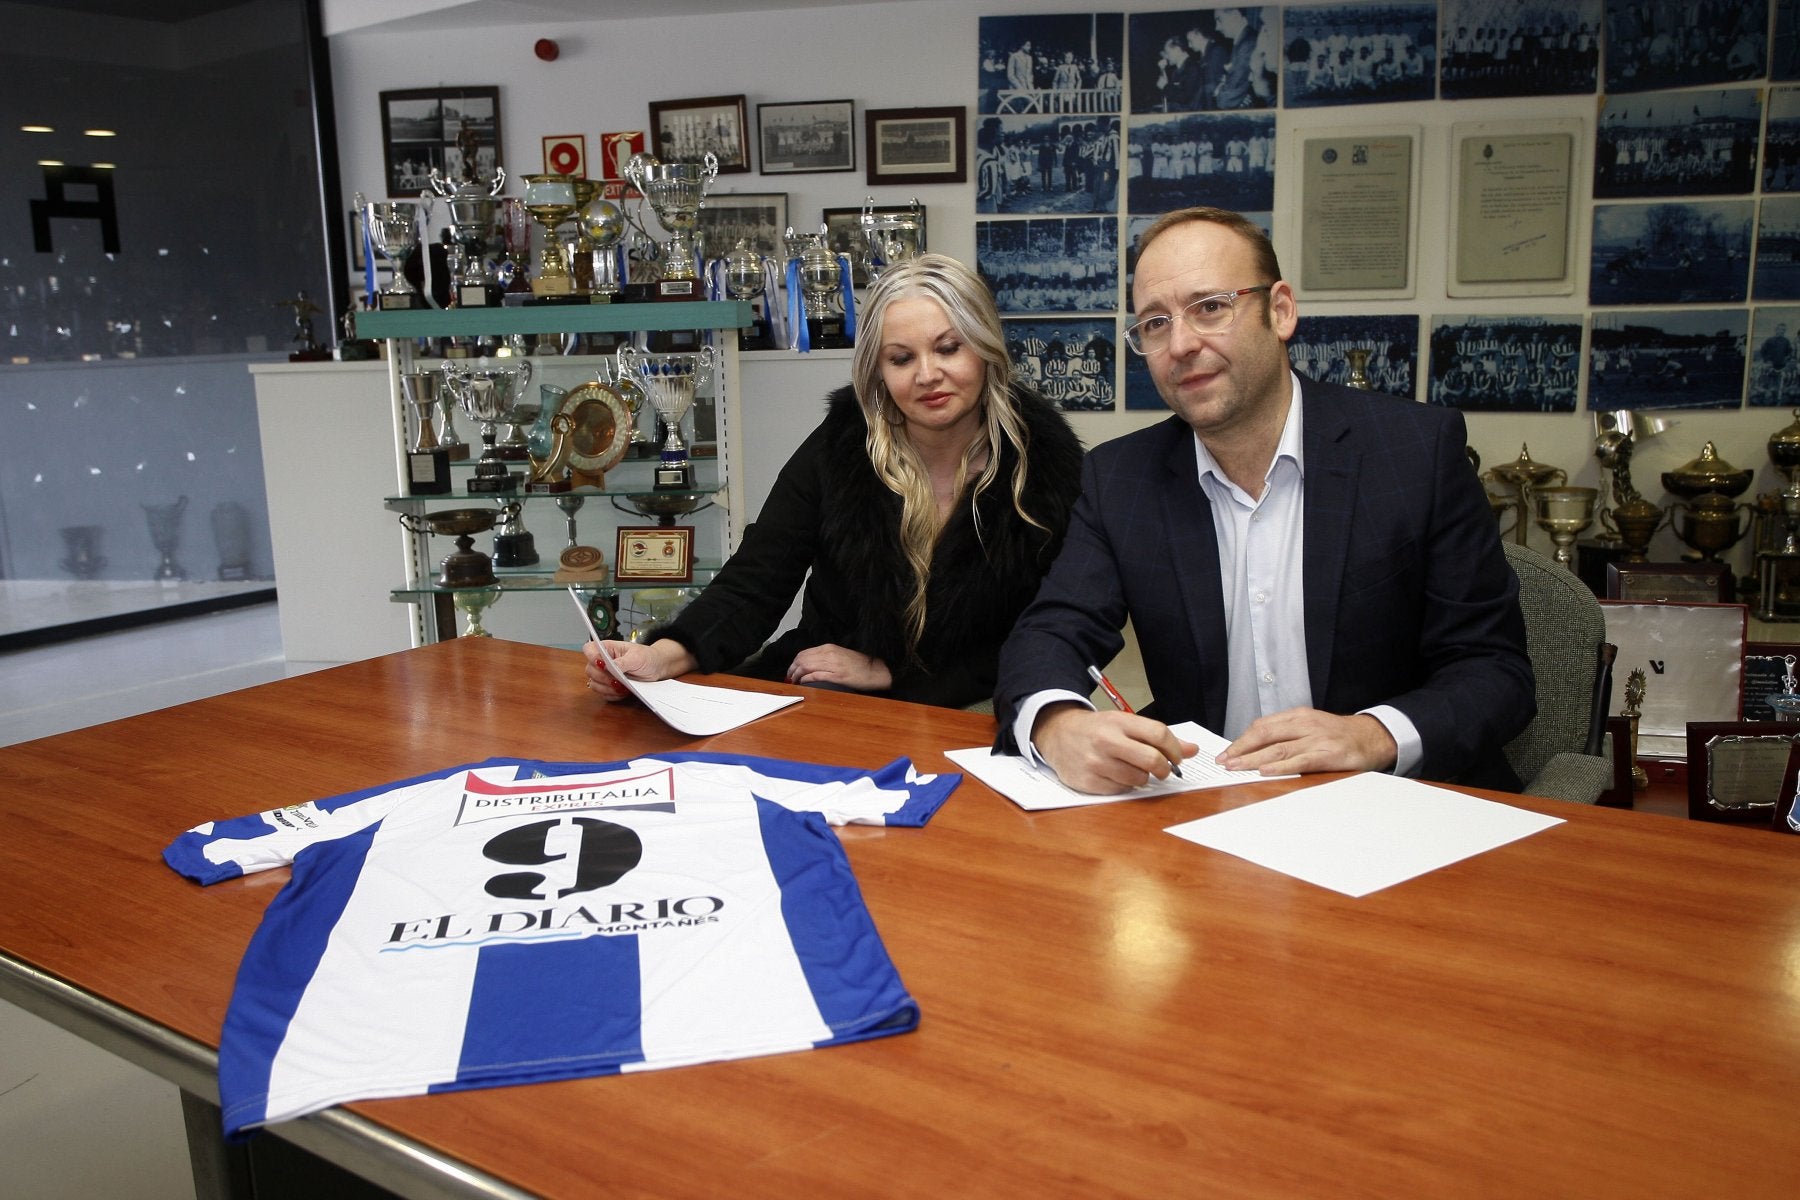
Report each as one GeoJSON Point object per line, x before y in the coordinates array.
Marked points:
{"type": "Point", "coordinates": [1312, 571]}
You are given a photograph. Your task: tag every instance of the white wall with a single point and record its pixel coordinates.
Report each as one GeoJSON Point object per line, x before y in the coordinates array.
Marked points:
{"type": "Point", "coordinates": [923, 52]}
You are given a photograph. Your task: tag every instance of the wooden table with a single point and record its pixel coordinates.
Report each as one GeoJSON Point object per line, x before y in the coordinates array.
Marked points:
{"type": "Point", "coordinates": [1609, 1008]}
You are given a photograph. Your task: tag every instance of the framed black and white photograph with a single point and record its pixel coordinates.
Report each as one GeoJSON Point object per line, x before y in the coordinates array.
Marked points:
{"type": "Point", "coordinates": [757, 218]}
{"type": "Point", "coordinates": [685, 130]}
{"type": "Point", "coordinates": [1667, 359]}
{"type": "Point", "coordinates": [1774, 364]}
{"type": "Point", "coordinates": [455, 130]}
{"type": "Point", "coordinates": [1359, 53]}
{"type": "Point", "coordinates": [916, 145]}
{"type": "Point", "coordinates": [1677, 144]}
{"type": "Point", "coordinates": [1671, 253]}
{"type": "Point", "coordinates": [1068, 361]}
{"type": "Point", "coordinates": [1781, 142]}
{"type": "Point", "coordinates": [843, 233]}
{"type": "Point", "coordinates": [1784, 55]}
{"type": "Point", "coordinates": [1518, 48]}
{"type": "Point", "coordinates": [1321, 349]}
{"type": "Point", "coordinates": [1511, 363]}
{"type": "Point", "coordinates": [1778, 249]}
{"type": "Point", "coordinates": [1656, 44]}
{"type": "Point", "coordinates": [1047, 165]}
{"type": "Point", "coordinates": [1050, 264]}
{"type": "Point", "coordinates": [807, 138]}
{"type": "Point", "coordinates": [1056, 63]}
{"type": "Point", "coordinates": [1219, 159]}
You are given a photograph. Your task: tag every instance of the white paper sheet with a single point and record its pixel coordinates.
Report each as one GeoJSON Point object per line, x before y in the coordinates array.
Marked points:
{"type": "Point", "coordinates": [1034, 789]}
{"type": "Point", "coordinates": [691, 708]}
{"type": "Point", "coordinates": [1365, 832]}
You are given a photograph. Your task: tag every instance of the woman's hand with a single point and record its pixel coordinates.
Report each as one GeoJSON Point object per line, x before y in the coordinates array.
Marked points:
{"type": "Point", "coordinates": [845, 668]}
{"type": "Point", "coordinates": [645, 663]}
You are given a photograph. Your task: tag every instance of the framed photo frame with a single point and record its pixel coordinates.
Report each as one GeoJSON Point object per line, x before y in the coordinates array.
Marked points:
{"type": "Point", "coordinates": [441, 127]}
{"type": "Point", "coordinates": [758, 218]}
{"type": "Point", "coordinates": [807, 138]}
{"type": "Point", "coordinates": [843, 233]}
{"type": "Point", "coordinates": [916, 145]}
{"type": "Point", "coordinates": [654, 554]}
{"type": "Point", "coordinates": [1692, 656]}
{"type": "Point", "coordinates": [684, 130]}
{"type": "Point", "coordinates": [1669, 582]}
{"type": "Point", "coordinates": [1738, 770]}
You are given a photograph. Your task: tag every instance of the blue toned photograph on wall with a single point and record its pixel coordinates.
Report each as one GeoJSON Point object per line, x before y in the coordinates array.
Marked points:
{"type": "Point", "coordinates": [1667, 359]}
{"type": "Point", "coordinates": [1774, 365]}
{"type": "Point", "coordinates": [1069, 361]}
{"type": "Point", "coordinates": [1065, 63]}
{"type": "Point", "coordinates": [1671, 253]}
{"type": "Point", "coordinates": [1050, 264]}
{"type": "Point", "coordinates": [1047, 164]}
{"type": "Point", "coordinates": [1359, 53]}
{"type": "Point", "coordinates": [1228, 161]}
{"type": "Point", "coordinates": [1520, 48]}
{"type": "Point", "coordinates": [1781, 142]}
{"type": "Point", "coordinates": [1784, 52]}
{"type": "Point", "coordinates": [1677, 144]}
{"type": "Point", "coordinates": [1505, 363]}
{"type": "Point", "coordinates": [1655, 44]}
{"type": "Point", "coordinates": [1136, 224]}
{"type": "Point", "coordinates": [1778, 249]}
{"type": "Point", "coordinates": [1327, 348]}
{"type": "Point", "coordinates": [1205, 59]}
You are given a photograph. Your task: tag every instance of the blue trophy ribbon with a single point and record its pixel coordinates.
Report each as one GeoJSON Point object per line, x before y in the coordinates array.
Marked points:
{"type": "Point", "coordinates": [796, 319]}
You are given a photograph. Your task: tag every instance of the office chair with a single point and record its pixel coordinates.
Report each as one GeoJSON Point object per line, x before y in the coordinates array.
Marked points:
{"type": "Point", "coordinates": [1561, 754]}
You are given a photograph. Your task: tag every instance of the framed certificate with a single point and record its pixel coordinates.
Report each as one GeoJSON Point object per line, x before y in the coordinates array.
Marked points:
{"type": "Point", "coordinates": [1739, 770]}
{"type": "Point", "coordinates": [655, 554]}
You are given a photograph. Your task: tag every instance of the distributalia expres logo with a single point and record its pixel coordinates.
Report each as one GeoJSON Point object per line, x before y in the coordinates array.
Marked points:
{"type": "Point", "coordinates": [584, 852]}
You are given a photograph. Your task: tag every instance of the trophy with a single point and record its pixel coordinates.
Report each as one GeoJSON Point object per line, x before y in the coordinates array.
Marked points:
{"type": "Point", "coordinates": [676, 192]}
{"type": "Point", "coordinates": [1563, 512]}
{"type": "Point", "coordinates": [577, 563]}
{"type": "Point", "coordinates": [427, 463]}
{"type": "Point", "coordinates": [473, 280]}
{"type": "Point", "coordinates": [547, 441]}
{"type": "Point", "coordinates": [670, 381]}
{"type": "Point", "coordinates": [1778, 558]}
{"type": "Point", "coordinates": [1705, 513]}
{"type": "Point", "coordinates": [165, 535]}
{"type": "Point", "coordinates": [488, 391]}
{"type": "Point", "coordinates": [1633, 710]}
{"type": "Point", "coordinates": [1631, 521]}
{"type": "Point", "coordinates": [1521, 476]}
{"type": "Point", "coordinates": [84, 559]}
{"type": "Point", "coordinates": [550, 199]}
{"type": "Point", "coordinates": [603, 224]}
{"type": "Point", "coordinates": [1359, 368]}
{"type": "Point", "coordinates": [513, 544]}
{"type": "Point", "coordinates": [815, 270]}
{"type": "Point", "coordinates": [891, 237]}
{"type": "Point", "coordinates": [464, 567]}
{"type": "Point", "coordinates": [746, 278]}
{"type": "Point", "coordinates": [393, 227]}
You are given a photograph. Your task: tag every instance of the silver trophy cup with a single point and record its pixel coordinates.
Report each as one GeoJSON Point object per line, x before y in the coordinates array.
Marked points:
{"type": "Point", "coordinates": [670, 381]}
{"type": "Point", "coordinates": [676, 192]}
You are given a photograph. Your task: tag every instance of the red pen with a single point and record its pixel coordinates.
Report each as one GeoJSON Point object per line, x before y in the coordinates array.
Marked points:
{"type": "Point", "coordinates": [1112, 693]}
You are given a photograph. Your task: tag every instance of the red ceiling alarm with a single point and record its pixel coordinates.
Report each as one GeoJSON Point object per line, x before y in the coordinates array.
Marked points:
{"type": "Point", "coordinates": [546, 49]}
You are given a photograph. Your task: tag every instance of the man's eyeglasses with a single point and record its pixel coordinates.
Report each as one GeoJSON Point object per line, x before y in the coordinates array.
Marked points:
{"type": "Point", "coordinates": [1209, 314]}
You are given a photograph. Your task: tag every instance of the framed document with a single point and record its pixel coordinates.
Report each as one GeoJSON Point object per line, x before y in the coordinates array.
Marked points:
{"type": "Point", "coordinates": [1738, 770]}
{"type": "Point", "coordinates": [1512, 218]}
{"type": "Point", "coordinates": [1692, 657]}
{"type": "Point", "coordinates": [655, 554]}
{"type": "Point", "coordinates": [1359, 198]}
{"type": "Point", "coordinates": [1767, 666]}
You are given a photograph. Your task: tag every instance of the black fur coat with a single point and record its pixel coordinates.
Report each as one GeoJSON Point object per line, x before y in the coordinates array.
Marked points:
{"type": "Point", "coordinates": [829, 515]}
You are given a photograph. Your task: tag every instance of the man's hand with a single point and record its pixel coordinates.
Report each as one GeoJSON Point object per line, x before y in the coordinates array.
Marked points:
{"type": "Point", "coordinates": [1099, 752]}
{"type": "Point", "coordinates": [845, 668]}
{"type": "Point", "coordinates": [1301, 740]}
{"type": "Point", "coordinates": [658, 660]}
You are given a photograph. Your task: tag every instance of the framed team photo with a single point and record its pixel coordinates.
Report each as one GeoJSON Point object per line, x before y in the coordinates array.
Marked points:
{"type": "Point", "coordinates": [807, 138]}
{"type": "Point", "coordinates": [756, 218]}
{"type": "Point", "coordinates": [442, 128]}
{"type": "Point", "coordinates": [684, 130]}
{"type": "Point", "coordinates": [916, 145]}
{"type": "Point", "coordinates": [654, 554]}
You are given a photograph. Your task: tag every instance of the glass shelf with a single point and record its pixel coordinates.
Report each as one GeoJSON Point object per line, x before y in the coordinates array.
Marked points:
{"type": "Point", "coordinates": [500, 321]}
{"type": "Point", "coordinates": [536, 579]}
{"type": "Point", "coordinates": [707, 484]}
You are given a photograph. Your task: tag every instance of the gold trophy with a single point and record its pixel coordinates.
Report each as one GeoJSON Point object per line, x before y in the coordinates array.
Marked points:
{"type": "Point", "coordinates": [1520, 476]}
{"type": "Point", "coordinates": [550, 199]}
{"type": "Point", "coordinates": [1630, 520]}
{"type": "Point", "coordinates": [1634, 709]}
{"type": "Point", "coordinates": [1778, 556]}
{"type": "Point", "coordinates": [1563, 512]}
{"type": "Point", "coordinates": [1705, 513]}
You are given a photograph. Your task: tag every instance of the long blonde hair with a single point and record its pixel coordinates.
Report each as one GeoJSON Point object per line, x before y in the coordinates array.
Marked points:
{"type": "Point", "coordinates": [969, 306]}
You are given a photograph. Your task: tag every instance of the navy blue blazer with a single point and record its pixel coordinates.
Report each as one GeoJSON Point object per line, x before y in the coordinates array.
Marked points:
{"type": "Point", "coordinates": [1409, 600]}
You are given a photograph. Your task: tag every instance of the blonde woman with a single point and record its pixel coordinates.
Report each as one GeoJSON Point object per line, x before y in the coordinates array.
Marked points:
{"type": "Point", "coordinates": [925, 506]}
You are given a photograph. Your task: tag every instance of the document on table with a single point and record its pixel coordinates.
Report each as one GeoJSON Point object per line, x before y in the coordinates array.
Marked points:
{"type": "Point", "coordinates": [1364, 832]}
{"type": "Point", "coordinates": [1034, 788]}
{"type": "Point", "coordinates": [691, 708]}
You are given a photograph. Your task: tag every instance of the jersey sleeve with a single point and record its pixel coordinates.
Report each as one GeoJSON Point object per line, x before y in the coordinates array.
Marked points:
{"type": "Point", "coordinates": [227, 849]}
